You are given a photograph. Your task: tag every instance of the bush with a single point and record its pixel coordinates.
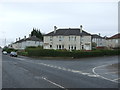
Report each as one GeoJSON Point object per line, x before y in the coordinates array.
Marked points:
{"type": "Point", "coordinates": [23, 53]}
{"type": "Point", "coordinates": [76, 54]}
{"type": "Point", "coordinates": [47, 52]}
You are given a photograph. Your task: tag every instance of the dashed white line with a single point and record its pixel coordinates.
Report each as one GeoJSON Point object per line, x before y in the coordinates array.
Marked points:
{"type": "Point", "coordinates": [23, 69]}
{"type": "Point", "coordinates": [53, 83]}
{"type": "Point", "coordinates": [64, 69]}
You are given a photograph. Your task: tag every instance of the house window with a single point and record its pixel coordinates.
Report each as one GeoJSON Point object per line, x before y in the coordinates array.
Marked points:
{"type": "Point", "coordinates": [59, 46]}
{"type": "Point", "coordinates": [75, 47]}
{"type": "Point", "coordinates": [51, 38]}
{"type": "Point", "coordinates": [81, 39]}
{"type": "Point", "coordinates": [69, 47]}
{"type": "Point", "coordinates": [50, 46]}
{"type": "Point", "coordinates": [61, 38]}
{"type": "Point", "coordinates": [116, 41]}
{"type": "Point", "coordinates": [82, 47]}
{"type": "Point", "coordinates": [72, 38]}
{"type": "Point", "coordinates": [72, 47]}
{"type": "Point", "coordinates": [62, 46]}
{"type": "Point", "coordinates": [69, 38]}
{"type": "Point", "coordinates": [75, 38]}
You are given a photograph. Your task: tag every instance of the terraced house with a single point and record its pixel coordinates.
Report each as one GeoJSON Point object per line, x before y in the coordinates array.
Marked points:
{"type": "Point", "coordinates": [99, 40]}
{"type": "Point", "coordinates": [114, 41]}
{"type": "Point", "coordinates": [25, 42]}
{"type": "Point", "coordinates": [68, 38]}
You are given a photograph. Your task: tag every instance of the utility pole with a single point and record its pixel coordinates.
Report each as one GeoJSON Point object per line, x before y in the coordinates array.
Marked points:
{"type": "Point", "coordinates": [5, 42]}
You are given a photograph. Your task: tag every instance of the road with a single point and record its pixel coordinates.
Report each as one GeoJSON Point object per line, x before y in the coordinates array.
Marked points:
{"type": "Point", "coordinates": [24, 72]}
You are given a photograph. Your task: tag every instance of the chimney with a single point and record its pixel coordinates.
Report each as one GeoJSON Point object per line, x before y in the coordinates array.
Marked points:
{"type": "Point", "coordinates": [99, 34]}
{"type": "Point", "coordinates": [55, 28]}
{"type": "Point", "coordinates": [29, 35]}
{"type": "Point", "coordinates": [80, 28]}
{"type": "Point", "coordinates": [19, 38]}
{"type": "Point", "coordinates": [16, 39]}
{"type": "Point", "coordinates": [24, 37]}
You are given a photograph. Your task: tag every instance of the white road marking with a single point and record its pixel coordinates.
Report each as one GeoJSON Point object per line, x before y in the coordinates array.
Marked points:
{"type": "Point", "coordinates": [23, 69]}
{"type": "Point", "coordinates": [116, 79]}
{"type": "Point", "coordinates": [110, 72]}
{"type": "Point", "coordinates": [102, 76]}
{"type": "Point", "coordinates": [53, 83]}
{"type": "Point", "coordinates": [63, 68]}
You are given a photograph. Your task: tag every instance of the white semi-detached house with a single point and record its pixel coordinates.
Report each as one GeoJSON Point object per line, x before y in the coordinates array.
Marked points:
{"type": "Point", "coordinates": [114, 41]}
{"type": "Point", "coordinates": [68, 38]}
{"type": "Point", "coordinates": [99, 40]}
{"type": "Point", "coordinates": [26, 42]}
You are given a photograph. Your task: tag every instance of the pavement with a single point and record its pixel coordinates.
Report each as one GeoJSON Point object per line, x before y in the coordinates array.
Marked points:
{"type": "Point", "coordinates": [24, 72]}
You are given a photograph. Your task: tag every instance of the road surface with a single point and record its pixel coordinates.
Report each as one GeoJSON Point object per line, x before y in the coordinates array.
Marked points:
{"type": "Point", "coordinates": [24, 72]}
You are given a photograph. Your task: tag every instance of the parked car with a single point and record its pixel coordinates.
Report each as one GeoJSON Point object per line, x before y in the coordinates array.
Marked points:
{"type": "Point", "coordinates": [13, 54]}
{"type": "Point", "coordinates": [4, 52]}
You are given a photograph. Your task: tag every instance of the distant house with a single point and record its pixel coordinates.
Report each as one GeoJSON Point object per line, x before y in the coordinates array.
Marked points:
{"type": "Point", "coordinates": [68, 38]}
{"type": "Point", "coordinates": [25, 42]}
{"type": "Point", "coordinates": [113, 41]}
{"type": "Point", "coordinates": [98, 40]}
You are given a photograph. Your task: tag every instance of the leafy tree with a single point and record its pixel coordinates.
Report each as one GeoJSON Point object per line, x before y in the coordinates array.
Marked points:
{"type": "Point", "coordinates": [37, 33]}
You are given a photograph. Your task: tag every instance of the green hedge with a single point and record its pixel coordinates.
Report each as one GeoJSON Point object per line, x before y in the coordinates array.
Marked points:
{"type": "Point", "coordinates": [63, 53]}
{"type": "Point", "coordinates": [48, 53]}
{"type": "Point", "coordinates": [23, 53]}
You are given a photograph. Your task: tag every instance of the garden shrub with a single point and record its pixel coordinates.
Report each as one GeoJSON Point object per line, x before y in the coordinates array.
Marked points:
{"type": "Point", "coordinates": [64, 53]}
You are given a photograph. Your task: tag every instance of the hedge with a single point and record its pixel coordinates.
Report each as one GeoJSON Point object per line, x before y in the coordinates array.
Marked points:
{"type": "Point", "coordinates": [23, 53]}
{"type": "Point", "coordinates": [75, 54]}
{"type": "Point", "coordinates": [48, 53]}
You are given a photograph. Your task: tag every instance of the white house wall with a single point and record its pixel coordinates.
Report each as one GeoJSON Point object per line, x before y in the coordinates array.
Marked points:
{"type": "Point", "coordinates": [67, 41]}
{"type": "Point", "coordinates": [24, 44]}
{"type": "Point", "coordinates": [113, 43]}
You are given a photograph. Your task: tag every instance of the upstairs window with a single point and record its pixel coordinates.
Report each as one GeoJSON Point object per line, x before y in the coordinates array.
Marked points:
{"type": "Point", "coordinates": [61, 38]}
{"type": "Point", "coordinates": [51, 38]}
{"type": "Point", "coordinates": [72, 38]}
{"type": "Point", "coordinates": [75, 38]}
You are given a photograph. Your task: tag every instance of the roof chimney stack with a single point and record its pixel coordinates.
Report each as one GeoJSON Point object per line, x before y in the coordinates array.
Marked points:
{"type": "Point", "coordinates": [99, 34]}
{"type": "Point", "coordinates": [29, 35]}
{"type": "Point", "coordinates": [55, 28]}
{"type": "Point", "coordinates": [19, 38]}
{"type": "Point", "coordinates": [81, 28]}
{"type": "Point", "coordinates": [24, 37]}
{"type": "Point", "coordinates": [16, 39]}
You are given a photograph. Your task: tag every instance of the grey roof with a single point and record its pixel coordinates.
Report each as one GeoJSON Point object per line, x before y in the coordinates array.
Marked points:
{"type": "Point", "coordinates": [32, 38]}
{"type": "Point", "coordinates": [66, 32]}
{"type": "Point", "coordinates": [96, 36]}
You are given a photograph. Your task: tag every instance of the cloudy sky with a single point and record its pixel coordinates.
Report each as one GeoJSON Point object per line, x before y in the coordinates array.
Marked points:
{"type": "Point", "coordinates": [17, 18]}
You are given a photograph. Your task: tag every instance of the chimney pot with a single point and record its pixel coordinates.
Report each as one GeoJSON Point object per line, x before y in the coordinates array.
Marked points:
{"type": "Point", "coordinates": [55, 28]}
{"type": "Point", "coordinates": [99, 34]}
{"type": "Point", "coordinates": [81, 28]}
{"type": "Point", "coordinates": [29, 35]}
{"type": "Point", "coordinates": [19, 38]}
{"type": "Point", "coordinates": [24, 37]}
{"type": "Point", "coordinates": [16, 39]}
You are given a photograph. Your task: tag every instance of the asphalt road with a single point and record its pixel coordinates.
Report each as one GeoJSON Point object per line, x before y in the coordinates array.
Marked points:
{"type": "Point", "coordinates": [23, 72]}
